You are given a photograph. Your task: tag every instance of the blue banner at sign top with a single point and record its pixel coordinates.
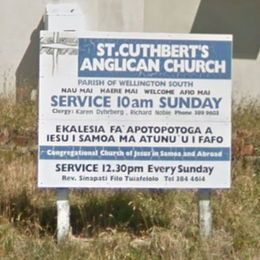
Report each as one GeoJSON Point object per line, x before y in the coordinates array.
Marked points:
{"type": "Point", "coordinates": [147, 58]}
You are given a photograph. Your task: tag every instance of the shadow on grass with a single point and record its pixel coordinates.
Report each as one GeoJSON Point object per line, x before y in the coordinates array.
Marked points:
{"type": "Point", "coordinates": [120, 211]}
{"type": "Point", "coordinates": [20, 211]}
{"type": "Point", "coordinates": [117, 211]}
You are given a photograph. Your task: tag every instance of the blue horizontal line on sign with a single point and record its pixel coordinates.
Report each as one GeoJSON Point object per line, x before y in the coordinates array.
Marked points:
{"type": "Point", "coordinates": [134, 153]}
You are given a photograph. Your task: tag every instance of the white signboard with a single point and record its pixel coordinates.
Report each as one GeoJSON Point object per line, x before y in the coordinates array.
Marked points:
{"type": "Point", "coordinates": [134, 110]}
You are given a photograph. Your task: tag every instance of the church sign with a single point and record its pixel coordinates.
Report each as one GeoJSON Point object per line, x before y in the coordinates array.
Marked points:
{"type": "Point", "coordinates": [129, 110]}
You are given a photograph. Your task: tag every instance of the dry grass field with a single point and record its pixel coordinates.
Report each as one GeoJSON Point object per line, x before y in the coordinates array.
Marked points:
{"type": "Point", "coordinates": [114, 224]}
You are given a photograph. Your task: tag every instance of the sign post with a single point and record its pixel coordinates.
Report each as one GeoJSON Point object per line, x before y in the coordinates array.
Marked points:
{"type": "Point", "coordinates": [61, 17]}
{"type": "Point", "coordinates": [205, 213]}
{"type": "Point", "coordinates": [63, 215]}
{"type": "Point", "coordinates": [131, 110]}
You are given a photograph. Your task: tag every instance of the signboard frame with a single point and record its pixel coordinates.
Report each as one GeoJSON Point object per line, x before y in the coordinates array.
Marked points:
{"type": "Point", "coordinates": [196, 134]}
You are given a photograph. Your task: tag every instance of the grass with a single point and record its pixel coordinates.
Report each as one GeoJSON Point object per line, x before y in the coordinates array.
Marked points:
{"type": "Point", "coordinates": [115, 224]}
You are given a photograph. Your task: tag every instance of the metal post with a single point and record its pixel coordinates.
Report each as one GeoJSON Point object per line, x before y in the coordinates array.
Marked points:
{"type": "Point", "coordinates": [205, 213]}
{"type": "Point", "coordinates": [63, 215]}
